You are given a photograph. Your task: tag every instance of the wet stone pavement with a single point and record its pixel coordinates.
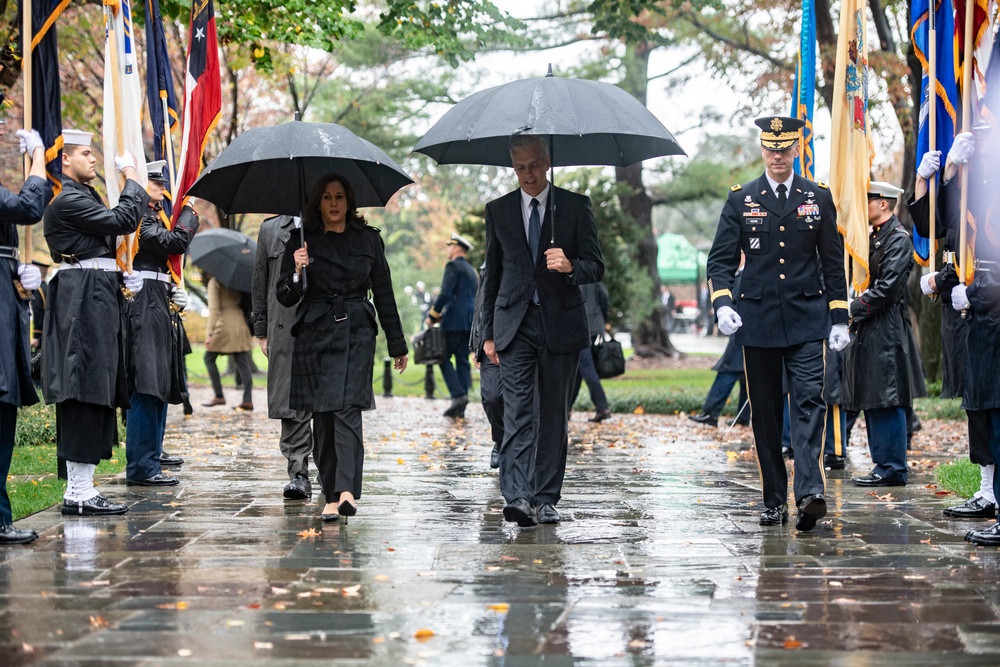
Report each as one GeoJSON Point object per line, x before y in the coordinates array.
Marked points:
{"type": "Point", "coordinates": [659, 561]}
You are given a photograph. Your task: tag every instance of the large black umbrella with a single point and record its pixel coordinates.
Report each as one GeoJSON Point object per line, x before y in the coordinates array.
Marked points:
{"type": "Point", "coordinates": [268, 169]}
{"type": "Point", "coordinates": [586, 123]}
{"type": "Point", "coordinates": [227, 255]}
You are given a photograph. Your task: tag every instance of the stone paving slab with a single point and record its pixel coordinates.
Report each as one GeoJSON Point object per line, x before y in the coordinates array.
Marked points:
{"type": "Point", "coordinates": [659, 561]}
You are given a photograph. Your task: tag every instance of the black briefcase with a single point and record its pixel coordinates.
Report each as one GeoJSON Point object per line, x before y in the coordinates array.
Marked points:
{"type": "Point", "coordinates": [608, 357]}
{"type": "Point", "coordinates": [429, 346]}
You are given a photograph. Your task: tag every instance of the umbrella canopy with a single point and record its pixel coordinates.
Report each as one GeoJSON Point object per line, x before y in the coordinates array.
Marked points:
{"type": "Point", "coordinates": [268, 169]}
{"type": "Point", "coordinates": [587, 122]}
{"type": "Point", "coordinates": [227, 255]}
{"type": "Point", "coordinates": [678, 261]}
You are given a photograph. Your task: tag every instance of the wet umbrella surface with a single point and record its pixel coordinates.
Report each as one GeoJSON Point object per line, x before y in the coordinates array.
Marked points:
{"type": "Point", "coordinates": [660, 560]}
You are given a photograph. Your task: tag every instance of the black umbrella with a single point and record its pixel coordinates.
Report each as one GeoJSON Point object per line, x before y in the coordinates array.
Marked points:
{"type": "Point", "coordinates": [267, 169]}
{"type": "Point", "coordinates": [226, 255]}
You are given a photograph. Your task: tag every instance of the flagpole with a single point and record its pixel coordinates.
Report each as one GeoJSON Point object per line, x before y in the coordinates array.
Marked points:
{"type": "Point", "coordinates": [169, 152]}
{"type": "Point", "coordinates": [932, 182]}
{"type": "Point", "coordinates": [963, 255]}
{"type": "Point", "coordinates": [27, 37]}
{"type": "Point", "coordinates": [110, 7]}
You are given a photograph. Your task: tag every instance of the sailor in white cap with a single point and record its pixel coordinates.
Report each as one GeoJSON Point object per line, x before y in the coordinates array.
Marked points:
{"type": "Point", "coordinates": [453, 309]}
{"type": "Point", "coordinates": [83, 370]}
{"type": "Point", "coordinates": [877, 367]}
{"type": "Point", "coordinates": [155, 332]}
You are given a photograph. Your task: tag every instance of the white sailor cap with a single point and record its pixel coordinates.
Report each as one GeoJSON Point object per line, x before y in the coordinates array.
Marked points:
{"type": "Point", "coordinates": [77, 138]}
{"type": "Point", "coordinates": [458, 239]}
{"type": "Point", "coordinates": [156, 170]}
{"type": "Point", "coordinates": [883, 190]}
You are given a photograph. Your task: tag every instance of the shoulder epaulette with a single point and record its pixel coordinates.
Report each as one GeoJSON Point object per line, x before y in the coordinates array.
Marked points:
{"type": "Point", "coordinates": [823, 185]}
{"type": "Point", "coordinates": [736, 188]}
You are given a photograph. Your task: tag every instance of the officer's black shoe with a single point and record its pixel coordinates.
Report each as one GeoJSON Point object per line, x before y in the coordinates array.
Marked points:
{"type": "Point", "coordinates": [811, 510]}
{"type": "Point", "coordinates": [987, 537]}
{"type": "Point", "coordinates": [168, 460]}
{"type": "Point", "coordinates": [96, 506]}
{"type": "Point", "coordinates": [787, 453]}
{"type": "Point", "coordinates": [833, 462]}
{"type": "Point", "coordinates": [547, 513]}
{"type": "Point", "coordinates": [975, 507]}
{"type": "Point", "coordinates": [704, 419]}
{"type": "Point", "coordinates": [875, 479]}
{"type": "Point", "coordinates": [495, 456]}
{"type": "Point", "coordinates": [298, 488]}
{"type": "Point", "coordinates": [11, 535]}
{"type": "Point", "coordinates": [159, 479]}
{"type": "Point", "coordinates": [774, 516]}
{"type": "Point", "coordinates": [600, 416]}
{"type": "Point", "coordinates": [521, 512]}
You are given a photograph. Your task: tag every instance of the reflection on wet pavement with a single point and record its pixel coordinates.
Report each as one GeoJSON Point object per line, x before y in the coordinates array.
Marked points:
{"type": "Point", "coordinates": [659, 560]}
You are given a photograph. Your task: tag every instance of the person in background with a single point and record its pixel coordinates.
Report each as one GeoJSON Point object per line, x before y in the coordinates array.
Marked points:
{"type": "Point", "coordinates": [490, 386]}
{"type": "Point", "coordinates": [227, 333]}
{"type": "Point", "coordinates": [595, 296]}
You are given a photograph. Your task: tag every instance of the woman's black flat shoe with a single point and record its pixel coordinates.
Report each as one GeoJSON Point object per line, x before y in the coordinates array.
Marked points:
{"type": "Point", "coordinates": [347, 508]}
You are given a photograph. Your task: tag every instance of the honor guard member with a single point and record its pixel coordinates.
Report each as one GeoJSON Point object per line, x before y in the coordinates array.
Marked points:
{"type": "Point", "coordinates": [16, 284]}
{"type": "Point", "coordinates": [156, 336]}
{"type": "Point", "coordinates": [877, 367]}
{"type": "Point", "coordinates": [793, 297]}
{"type": "Point", "coordinates": [83, 343]}
{"type": "Point", "coordinates": [453, 309]}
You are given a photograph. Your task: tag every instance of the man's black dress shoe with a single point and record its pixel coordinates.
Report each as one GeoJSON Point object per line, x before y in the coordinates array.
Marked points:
{"type": "Point", "coordinates": [495, 456]}
{"type": "Point", "coordinates": [600, 416]}
{"type": "Point", "coordinates": [168, 460]}
{"type": "Point", "coordinates": [787, 453]}
{"type": "Point", "coordinates": [347, 508]}
{"type": "Point", "coordinates": [457, 407]}
{"type": "Point", "coordinates": [975, 507]}
{"type": "Point", "coordinates": [298, 488]}
{"type": "Point", "coordinates": [875, 479]}
{"type": "Point", "coordinates": [704, 419]}
{"type": "Point", "coordinates": [547, 513]}
{"type": "Point", "coordinates": [96, 506]}
{"type": "Point", "coordinates": [987, 537]}
{"type": "Point", "coordinates": [774, 516]}
{"type": "Point", "coordinates": [521, 512]}
{"type": "Point", "coordinates": [811, 510]}
{"type": "Point", "coordinates": [834, 462]}
{"type": "Point", "coordinates": [159, 479]}
{"type": "Point", "coordinates": [11, 535]}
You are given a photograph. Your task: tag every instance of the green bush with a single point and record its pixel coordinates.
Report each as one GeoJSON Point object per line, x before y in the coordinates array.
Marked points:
{"type": "Point", "coordinates": [939, 408]}
{"type": "Point", "coordinates": [665, 401]}
{"type": "Point", "coordinates": [36, 425]}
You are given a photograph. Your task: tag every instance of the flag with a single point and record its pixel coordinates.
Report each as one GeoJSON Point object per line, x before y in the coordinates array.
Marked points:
{"type": "Point", "coordinates": [990, 111]}
{"type": "Point", "coordinates": [982, 10]}
{"type": "Point", "coordinates": [46, 108]}
{"type": "Point", "coordinates": [122, 108]}
{"type": "Point", "coordinates": [852, 150]}
{"type": "Point", "coordinates": [162, 110]}
{"type": "Point", "coordinates": [804, 93]}
{"type": "Point", "coordinates": [202, 95]}
{"type": "Point", "coordinates": [946, 97]}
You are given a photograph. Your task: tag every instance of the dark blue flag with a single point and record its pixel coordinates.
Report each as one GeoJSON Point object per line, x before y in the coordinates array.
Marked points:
{"type": "Point", "coordinates": [46, 109]}
{"type": "Point", "coordinates": [160, 93]}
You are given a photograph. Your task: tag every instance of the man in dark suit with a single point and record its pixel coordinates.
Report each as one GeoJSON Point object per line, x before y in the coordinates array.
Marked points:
{"type": "Point", "coordinates": [453, 309]}
{"type": "Point", "coordinates": [793, 289]}
{"type": "Point", "coordinates": [535, 324]}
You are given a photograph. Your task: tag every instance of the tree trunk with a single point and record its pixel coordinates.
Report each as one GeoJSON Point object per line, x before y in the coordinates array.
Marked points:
{"type": "Point", "coordinates": [649, 337]}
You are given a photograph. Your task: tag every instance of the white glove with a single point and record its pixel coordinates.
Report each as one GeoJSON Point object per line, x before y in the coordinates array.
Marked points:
{"type": "Point", "coordinates": [959, 301]}
{"type": "Point", "coordinates": [124, 161]}
{"type": "Point", "coordinates": [962, 149]}
{"type": "Point", "coordinates": [133, 281]}
{"type": "Point", "coordinates": [929, 164]}
{"type": "Point", "coordinates": [179, 297]}
{"type": "Point", "coordinates": [729, 320]}
{"type": "Point", "coordinates": [925, 284]}
{"type": "Point", "coordinates": [839, 337]}
{"type": "Point", "coordinates": [30, 276]}
{"type": "Point", "coordinates": [30, 140]}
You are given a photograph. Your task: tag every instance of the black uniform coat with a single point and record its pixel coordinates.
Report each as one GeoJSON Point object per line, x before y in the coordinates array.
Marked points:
{"type": "Point", "coordinates": [25, 208]}
{"type": "Point", "coordinates": [456, 302]}
{"type": "Point", "coordinates": [83, 348]}
{"type": "Point", "coordinates": [155, 333]}
{"type": "Point", "coordinates": [270, 318]}
{"type": "Point", "coordinates": [334, 330]}
{"type": "Point", "coordinates": [793, 285]}
{"type": "Point", "coordinates": [877, 366]}
{"type": "Point", "coordinates": [514, 275]}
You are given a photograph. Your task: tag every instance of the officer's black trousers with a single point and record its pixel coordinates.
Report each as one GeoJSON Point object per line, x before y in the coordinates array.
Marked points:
{"type": "Point", "coordinates": [805, 365]}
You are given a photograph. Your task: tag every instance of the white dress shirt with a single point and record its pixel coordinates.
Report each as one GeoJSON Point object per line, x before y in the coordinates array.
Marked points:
{"type": "Point", "coordinates": [774, 184]}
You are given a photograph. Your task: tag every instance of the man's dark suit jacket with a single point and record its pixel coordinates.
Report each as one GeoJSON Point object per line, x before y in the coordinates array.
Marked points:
{"type": "Point", "coordinates": [514, 275]}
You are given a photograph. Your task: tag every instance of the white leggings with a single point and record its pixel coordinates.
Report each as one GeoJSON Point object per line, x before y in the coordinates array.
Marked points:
{"type": "Point", "coordinates": [80, 482]}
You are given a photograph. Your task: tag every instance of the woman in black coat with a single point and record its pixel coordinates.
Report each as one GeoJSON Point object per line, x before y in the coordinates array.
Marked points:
{"type": "Point", "coordinates": [334, 332]}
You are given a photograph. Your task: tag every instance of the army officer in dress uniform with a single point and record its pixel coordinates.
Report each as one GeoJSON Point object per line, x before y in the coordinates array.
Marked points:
{"type": "Point", "coordinates": [793, 297]}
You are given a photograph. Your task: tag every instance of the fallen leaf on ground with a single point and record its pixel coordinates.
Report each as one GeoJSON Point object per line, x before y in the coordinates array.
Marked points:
{"type": "Point", "coordinates": [381, 577]}
{"type": "Point", "coordinates": [792, 643]}
{"type": "Point", "coordinates": [350, 591]}
{"type": "Point", "coordinates": [423, 633]}
{"type": "Point", "coordinates": [310, 532]}
{"type": "Point", "coordinates": [263, 645]}
{"type": "Point", "coordinates": [499, 606]}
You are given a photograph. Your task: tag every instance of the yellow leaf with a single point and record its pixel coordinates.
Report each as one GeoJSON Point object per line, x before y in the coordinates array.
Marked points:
{"type": "Point", "coordinates": [423, 634]}
{"type": "Point", "coordinates": [310, 533]}
{"type": "Point", "coordinates": [381, 577]}
{"type": "Point", "coordinates": [501, 607]}
{"type": "Point", "coordinates": [639, 411]}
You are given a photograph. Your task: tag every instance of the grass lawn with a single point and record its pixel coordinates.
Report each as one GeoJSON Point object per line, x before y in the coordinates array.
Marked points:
{"type": "Point", "coordinates": [960, 476]}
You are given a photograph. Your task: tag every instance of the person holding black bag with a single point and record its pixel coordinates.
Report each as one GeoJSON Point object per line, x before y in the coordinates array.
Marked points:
{"type": "Point", "coordinates": [596, 299]}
